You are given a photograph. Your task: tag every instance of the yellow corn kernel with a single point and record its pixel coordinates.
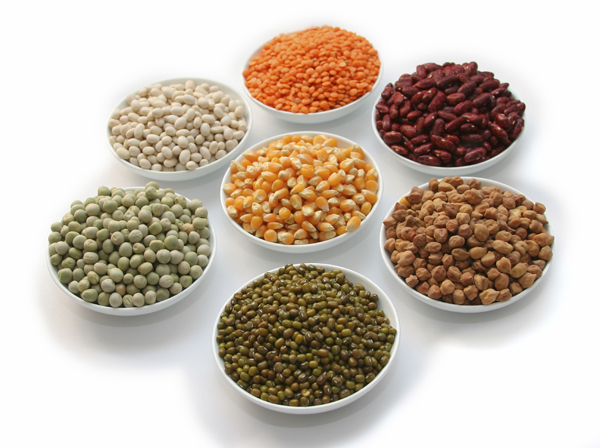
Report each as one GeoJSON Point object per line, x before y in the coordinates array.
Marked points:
{"type": "Point", "coordinates": [353, 224]}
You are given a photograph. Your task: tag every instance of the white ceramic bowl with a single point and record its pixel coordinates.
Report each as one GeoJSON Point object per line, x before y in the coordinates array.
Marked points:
{"type": "Point", "coordinates": [384, 303]}
{"type": "Point", "coordinates": [200, 171]}
{"type": "Point", "coordinates": [451, 306]}
{"type": "Point", "coordinates": [315, 117]}
{"type": "Point", "coordinates": [146, 309]}
{"type": "Point", "coordinates": [440, 171]}
{"type": "Point", "coordinates": [303, 248]}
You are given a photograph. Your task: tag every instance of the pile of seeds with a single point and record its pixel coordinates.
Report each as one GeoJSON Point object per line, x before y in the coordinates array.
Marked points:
{"type": "Point", "coordinates": [304, 336]}
{"type": "Point", "coordinates": [130, 248]}
{"type": "Point", "coordinates": [301, 190]}
{"type": "Point", "coordinates": [466, 244]}
{"type": "Point", "coordinates": [177, 127]}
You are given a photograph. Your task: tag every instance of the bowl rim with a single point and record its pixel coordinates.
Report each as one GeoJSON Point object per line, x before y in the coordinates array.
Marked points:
{"type": "Point", "coordinates": [370, 286]}
{"type": "Point", "coordinates": [328, 114]}
{"type": "Point", "coordinates": [465, 170]}
{"type": "Point", "coordinates": [466, 309]}
{"type": "Point", "coordinates": [303, 248]}
{"type": "Point", "coordinates": [201, 170]}
{"type": "Point", "coordinates": [146, 309]}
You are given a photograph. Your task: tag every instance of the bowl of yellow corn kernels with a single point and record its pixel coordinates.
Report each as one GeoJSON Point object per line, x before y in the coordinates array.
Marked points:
{"type": "Point", "coordinates": [301, 192]}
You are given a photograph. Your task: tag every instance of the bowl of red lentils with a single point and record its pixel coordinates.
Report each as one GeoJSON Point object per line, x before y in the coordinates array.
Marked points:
{"type": "Point", "coordinates": [301, 192]}
{"type": "Point", "coordinates": [312, 76]}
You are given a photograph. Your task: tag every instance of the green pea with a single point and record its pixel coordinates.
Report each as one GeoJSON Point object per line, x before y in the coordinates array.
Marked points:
{"type": "Point", "coordinates": [93, 277]}
{"type": "Point", "coordinates": [162, 294]}
{"type": "Point", "coordinates": [153, 278]}
{"type": "Point", "coordinates": [127, 278]}
{"type": "Point", "coordinates": [171, 242]}
{"type": "Point", "coordinates": [155, 228]}
{"type": "Point", "coordinates": [204, 233]}
{"type": "Point", "coordinates": [56, 259]}
{"type": "Point", "coordinates": [145, 268]}
{"type": "Point", "coordinates": [65, 275]}
{"type": "Point", "coordinates": [114, 257]}
{"type": "Point", "coordinates": [115, 300]}
{"type": "Point", "coordinates": [186, 281]}
{"type": "Point", "coordinates": [196, 271]}
{"type": "Point", "coordinates": [191, 258]}
{"type": "Point", "coordinates": [140, 281]}
{"type": "Point", "coordinates": [90, 295]}
{"type": "Point", "coordinates": [156, 245]}
{"type": "Point", "coordinates": [150, 297]}
{"type": "Point", "coordinates": [175, 288]}
{"type": "Point", "coordinates": [162, 269]}
{"type": "Point", "coordinates": [125, 250]}
{"type": "Point", "coordinates": [90, 245]}
{"type": "Point", "coordinates": [149, 256]}
{"type": "Point", "coordinates": [102, 235]}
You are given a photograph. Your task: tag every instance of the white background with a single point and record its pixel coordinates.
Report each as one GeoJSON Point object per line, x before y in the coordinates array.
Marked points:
{"type": "Point", "coordinates": [523, 376]}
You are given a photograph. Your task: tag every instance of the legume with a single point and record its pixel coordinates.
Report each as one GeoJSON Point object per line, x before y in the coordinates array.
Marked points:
{"type": "Point", "coordinates": [304, 336]}
{"type": "Point", "coordinates": [177, 127]}
{"type": "Point", "coordinates": [98, 262]}
{"type": "Point", "coordinates": [449, 115]}
{"type": "Point", "coordinates": [301, 190]}
{"type": "Point", "coordinates": [466, 244]}
{"type": "Point", "coordinates": [313, 70]}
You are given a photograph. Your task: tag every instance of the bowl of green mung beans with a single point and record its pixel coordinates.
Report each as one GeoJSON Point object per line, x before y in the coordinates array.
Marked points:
{"type": "Point", "coordinates": [131, 251]}
{"type": "Point", "coordinates": [306, 339]}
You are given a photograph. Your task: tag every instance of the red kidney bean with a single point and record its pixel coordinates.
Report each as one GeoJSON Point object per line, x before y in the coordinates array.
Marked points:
{"type": "Point", "coordinates": [429, 119]}
{"type": "Point", "coordinates": [462, 108]}
{"type": "Point", "coordinates": [420, 139]}
{"type": "Point", "coordinates": [431, 66]}
{"type": "Point", "coordinates": [517, 128]}
{"type": "Point", "coordinates": [426, 83]}
{"type": "Point", "coordinates": [446, 116]}
{"type": "Point", "coordinates": [392, 138]}
{"type": "Point", "coordinates": [405, 109]}
{"type": "Point", "coordinates": [442, 143]}
{"type": "Point", "coordinates": [471, 138]}
{"type": "Point", "coordinates": [386, 123]}
{"type": "Point", "coordinates": [447, 81]}
{"type": "Point", "coordinates": [396, 127]}
{"type": "Point", "coordinates": [429, 95]}
{"type": "Point", "coordinates": [468, 128]}
{"type": "Point", "coordinates": [379, 125]}
{"type": "Point", "coordinates": [410, 91]}
{"type": "Point", "coordinates": [419, 125]}
{"type": "Point", "coordinates": [460, 151]}
{"type": "Point", "coordinates": [408, 130]}
{"type": "Point", "coordinates": [394, 112]}
{"type": "Point", "coordinates": [498, 150]}
{"type": "Point", "coordinates": [413, 115]}
{"type": "Point", "coordinates": [437, 102]}
{"type": "Point", "coordinates": [383, 108]}
{"type": "Point", "coordinates": [453, 138]}
{"type": "Point", "coordinates": [439, 125]}
{"type": "Point", "coordinates": [455, 98]}
{"type": "Point", "coordinates": [423, 149]}
{"type": "Point", "coordinates": [387, 92]}
{"type": "Point", "coordinates": [474, 155]}
{"type": "Point", "coordinates": [444, 156]}
{"type": "Point", "coordinates": [417, 98]}
{"type": "Point", "coordinates": [476, 119]}
{"type": "Point", "coordinates": [455, 124]}
{"type": "Point", "coordinates": [467, 88]}
{"type": "Point", "coordinates": [482, 99]}
{"type": "Point", "coordinates": [490, 84]}
{"type": "Point", "coordinates": [429, 160]}
{"type": "Point", "coordinates": [400, 150]}
{"type": "Point", "coordinates": [452, 89]}
{"type": "Point", "coordinates": [500, 91]}
{"type": "Point", "coordinates": [398, 98]}
{"type": "Point", "coordinates": [421, 71]}
{"type": "Point", "coordinates": [500, 133]}
{"type": "Point", "coordinates": [408, 144]}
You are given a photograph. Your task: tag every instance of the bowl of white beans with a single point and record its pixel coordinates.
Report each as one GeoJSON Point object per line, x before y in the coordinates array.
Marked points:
{"type": "Point", "coordinates": [301, 192]}
{"type": "Point", "coordinates": [342, 372]}
{"type": "Point", "coordinates": [179, 129]}
{"type": "Point", "coordinates": [78, 262]}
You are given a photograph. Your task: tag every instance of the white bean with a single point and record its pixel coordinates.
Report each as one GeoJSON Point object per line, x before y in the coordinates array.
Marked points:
{"type": "Point", "coordinates": [123, 153]}
{"type": "Point", "coordinates": [139, 130]}
{"type": "Point", "coordinates": [185, 156]}
{"type": "Point", "coordinates": [183, 142]}
{"type": "Point", "coordinates": [180, 123]}
{"type": "Point", "coordinates": [240, 111]}
{"type": "Point", "coordinates": [220, 153]}
{"type": "Point", "coordinates": [191, 165]}
{"type": "Point", "coordinates": [213, 147]}
{"type": "Point", "coordinates": [228, 133]}
{"type": "Point", "coordinates": [230, 144]}
{"type": "Point", "coordinates": [157, 167]}
{"type": "Point", "coordinates": [204, 162]}
{"type": "Point", "coordinates": [205, 152]}
{"type": "Point", "coordinates": [238, 135]}
{"type": "Point", "coordinates": [205, 129]}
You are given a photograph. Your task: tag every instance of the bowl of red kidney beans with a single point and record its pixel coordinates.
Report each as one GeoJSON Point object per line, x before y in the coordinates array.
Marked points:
{"type": "Point", "coordinates": [450, 119]}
